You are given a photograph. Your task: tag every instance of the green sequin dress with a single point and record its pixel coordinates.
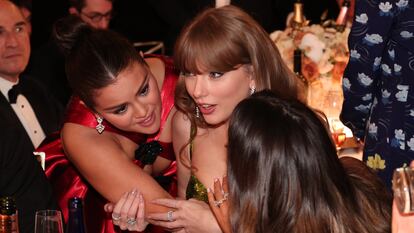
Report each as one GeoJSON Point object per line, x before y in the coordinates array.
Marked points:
{"type": "Point", "coordinates": [195, 189]}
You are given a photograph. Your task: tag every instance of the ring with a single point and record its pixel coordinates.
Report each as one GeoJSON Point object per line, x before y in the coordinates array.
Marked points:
{"type": "Point", "coordinates": [170, 216]}
{"type": "Point", "coordinates": [131, 221]}
{"type": "Point", "coordinates": [225, 196]}
{"type": "Point", "coordinates": [116, 217]}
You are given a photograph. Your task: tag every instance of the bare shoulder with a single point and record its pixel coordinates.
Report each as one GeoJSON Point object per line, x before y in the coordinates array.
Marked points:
{"type": "Point", "coordinates": [78, 139]}
{"type": "Point", "coordinates": [157, 68]}
{"type": "Point", "coordinates": [181, 125]}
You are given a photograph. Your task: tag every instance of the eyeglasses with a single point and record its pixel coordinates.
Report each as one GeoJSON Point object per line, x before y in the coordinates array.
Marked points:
{"type": "Point", "coordinates": [97, 17]}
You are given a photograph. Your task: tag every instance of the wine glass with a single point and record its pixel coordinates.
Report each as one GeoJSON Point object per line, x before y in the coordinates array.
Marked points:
{"type": "Point", "coordinates": [48, 221]}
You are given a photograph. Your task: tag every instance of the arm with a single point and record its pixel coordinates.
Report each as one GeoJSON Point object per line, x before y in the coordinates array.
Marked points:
{"type": "Point", "coordinates": [181, 133]}
{"type": "Point", "coordinates": [366, 42]}
{"type": "Point", "coordinates": [104, 163]}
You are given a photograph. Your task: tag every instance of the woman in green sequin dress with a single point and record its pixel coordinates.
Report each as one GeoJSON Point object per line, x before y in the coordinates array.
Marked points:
{"type": "Point", "coordinates": [224, 56]}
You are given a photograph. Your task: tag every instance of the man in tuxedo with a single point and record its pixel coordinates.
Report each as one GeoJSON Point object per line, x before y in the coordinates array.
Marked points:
{"type": "Point", "coordinates": [27, 114]}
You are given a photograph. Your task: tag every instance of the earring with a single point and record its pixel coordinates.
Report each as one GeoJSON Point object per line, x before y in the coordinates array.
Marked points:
{"type": "Point", "coordinates": [99, 127]}
{"type": "Point", "coordinates": [197, 112]}
{"type": "Point", "coordinates": [252, 90]}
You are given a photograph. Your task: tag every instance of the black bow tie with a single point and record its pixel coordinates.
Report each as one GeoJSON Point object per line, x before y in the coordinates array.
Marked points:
{"type": "Point", "coordinates": [13, 93]}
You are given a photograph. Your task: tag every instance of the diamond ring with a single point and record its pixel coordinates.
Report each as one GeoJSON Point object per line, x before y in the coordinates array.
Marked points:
{"type": "Point", "coordinates": [170, 216]}
{"type": "Point", "coordinates": [131, 221]}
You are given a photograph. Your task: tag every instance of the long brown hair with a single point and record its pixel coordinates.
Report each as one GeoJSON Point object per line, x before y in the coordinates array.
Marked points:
{"type": "Point", "coordinates": [220, 39]}
{"type": "Point", "coordinates": [284, 174]}
{"type": "Point", "coordinates": [94, 57]}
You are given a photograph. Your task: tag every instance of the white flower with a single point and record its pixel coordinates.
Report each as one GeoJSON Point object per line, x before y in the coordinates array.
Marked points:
{"type": "Point", "coordinates": [373, 38]}
{"type": "Point", "coordinates": [403, 93]}
{"type": "Point", "coordinates": [386, 94]}
{"type": "Point", "coordinates": [385, 7]}
{"type": "Point", "coordinates": [364, 79]}
{"type": "Point", "coordinates": [346, 83]}
{"type": "Point", "coordinates": [397, 68]}
{"type": "Point", "coordinates": [399, 134]}
{"type": "Point", "coordinates": [363, 108]}
{"type": "Point", "coordinates": [362, 18]}
{"type": "Point", "coordinates": [372, 128]}
{"type": "Point", "coordinates": [367, 97]}
{"type": "Point", "coordinates": [313, 47]}
{"type": "Point", "coordinates": [406, 34]}
{"type": "Point", "coordinates": [391, 53]}
{"type": "Point", "coordinates": [386, 69]}
{"type": "Point", "coordinates": [355, 54]}
{"type": "Point", "coordinates": [377, 61]}
{"type": "Point", "coordinates": [402, 3]}
{"type": "Point", "coordinates": [402, 145]}
{"type": "Point", "coordinates": [411, 143]}
{"type": "Point", "coordinates": [403, 87]}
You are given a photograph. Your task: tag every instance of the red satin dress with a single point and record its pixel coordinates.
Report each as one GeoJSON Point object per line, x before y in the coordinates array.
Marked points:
{"type": "Point", "coordinates": [67, 182]}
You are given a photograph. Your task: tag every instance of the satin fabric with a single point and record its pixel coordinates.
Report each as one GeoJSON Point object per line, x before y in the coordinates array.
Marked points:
{"type": "Point", "coordinates": [67, 182]}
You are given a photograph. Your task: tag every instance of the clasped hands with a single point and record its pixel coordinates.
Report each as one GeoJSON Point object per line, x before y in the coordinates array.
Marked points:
{"type": "Point", "coordinates": [185, 215]}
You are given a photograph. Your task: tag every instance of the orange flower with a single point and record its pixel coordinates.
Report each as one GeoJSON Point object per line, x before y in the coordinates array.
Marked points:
{"type": "Point", "coordinates": [309, 69]}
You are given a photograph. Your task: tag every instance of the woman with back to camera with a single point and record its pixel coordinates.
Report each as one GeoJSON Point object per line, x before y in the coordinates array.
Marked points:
{"type": "Point", "coordinates": [121, 101]}
{"type": "Point", "coordinates": [224, 56]}
{"type": "Point", "coordinates": [284, 175]}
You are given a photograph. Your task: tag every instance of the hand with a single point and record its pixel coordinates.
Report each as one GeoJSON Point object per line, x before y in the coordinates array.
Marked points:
{"type": "Point", "coordinates": [218, 201]}
{"type": "Point", "coordinates": [188, 216]}
{"type": "Point", "coordinates": [129, 212]}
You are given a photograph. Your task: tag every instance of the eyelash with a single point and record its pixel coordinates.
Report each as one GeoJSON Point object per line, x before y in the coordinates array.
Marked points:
{"type": "Point", "coordinates": [144, 90]}
{"type": "Point", "coordinates": [124, 108]}
{"type": "Point", "coordinates": [121, 109]}
{"type": "Point", "coordinates": [186, 74]}
{"type": "Point", "coordinates": [213, 74]}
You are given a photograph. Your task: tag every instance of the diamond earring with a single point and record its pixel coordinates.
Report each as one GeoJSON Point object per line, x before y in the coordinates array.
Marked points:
{"type": "Point", "coordinates": [197, 112]}
{"type": "Point", "coordinates": [252, 90]}
{"type": "Point", "coordinates": [99, 127]}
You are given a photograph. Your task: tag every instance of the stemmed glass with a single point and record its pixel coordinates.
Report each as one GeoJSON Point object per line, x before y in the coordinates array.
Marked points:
{"type": "Point", "coordinates": [48, 221]}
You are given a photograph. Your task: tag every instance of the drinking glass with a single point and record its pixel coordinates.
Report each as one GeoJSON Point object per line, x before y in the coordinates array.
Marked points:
{"type": "Point", "coordinates": [48, 221]}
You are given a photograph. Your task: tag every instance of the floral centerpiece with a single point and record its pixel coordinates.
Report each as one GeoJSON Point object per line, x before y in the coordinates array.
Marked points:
{"type": "Point", "coordinates": [325, 57]}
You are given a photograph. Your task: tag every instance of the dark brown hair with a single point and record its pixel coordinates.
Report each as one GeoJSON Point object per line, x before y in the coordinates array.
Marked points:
{"type": "Point", "coordinates": [220, 39]}
{"type": "Point", "coordinates": [94, 57]}
{"type": "Point", "coordinates": [284, 174]}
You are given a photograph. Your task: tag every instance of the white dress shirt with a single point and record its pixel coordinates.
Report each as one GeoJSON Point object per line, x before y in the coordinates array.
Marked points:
{"type": "Point", "coordinates": [25, 113]}
{"type": "Point", "coordinates": [220, 3]}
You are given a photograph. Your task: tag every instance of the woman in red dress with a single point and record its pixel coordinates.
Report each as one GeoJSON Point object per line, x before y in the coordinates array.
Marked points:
{"type": "Point", "coordinates": [121, 101]}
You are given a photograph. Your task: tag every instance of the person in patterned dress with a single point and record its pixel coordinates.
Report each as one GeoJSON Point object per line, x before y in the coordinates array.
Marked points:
{"type": "Point", "coordinates": [378, 83]}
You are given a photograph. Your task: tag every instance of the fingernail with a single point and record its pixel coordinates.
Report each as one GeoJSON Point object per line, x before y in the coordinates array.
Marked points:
{"type": "Point", "coordinates": [216, 180]}
{"type": "Point", "coordinates": [209, 190]}
{"type": "Point", "coordinates": [141, 198]}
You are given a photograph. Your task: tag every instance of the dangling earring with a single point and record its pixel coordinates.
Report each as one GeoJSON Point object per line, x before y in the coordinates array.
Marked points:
{"type": "Point", "coordinates": [99, 127]}
{"type": "Point", "coordinates": [252, 90]}
{"type": "Point", "coordinates": [197, 112]}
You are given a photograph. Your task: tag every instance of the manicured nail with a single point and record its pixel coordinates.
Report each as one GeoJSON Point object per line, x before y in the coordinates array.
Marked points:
{"type": "Point", "coordinates": [209, 190]}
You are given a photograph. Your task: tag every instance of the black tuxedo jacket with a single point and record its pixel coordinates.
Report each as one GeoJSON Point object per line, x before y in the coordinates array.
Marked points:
{"type": "Point", "coordinates": [21, 175]}
{"type": "Point", "coordinates": [48, 111]}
